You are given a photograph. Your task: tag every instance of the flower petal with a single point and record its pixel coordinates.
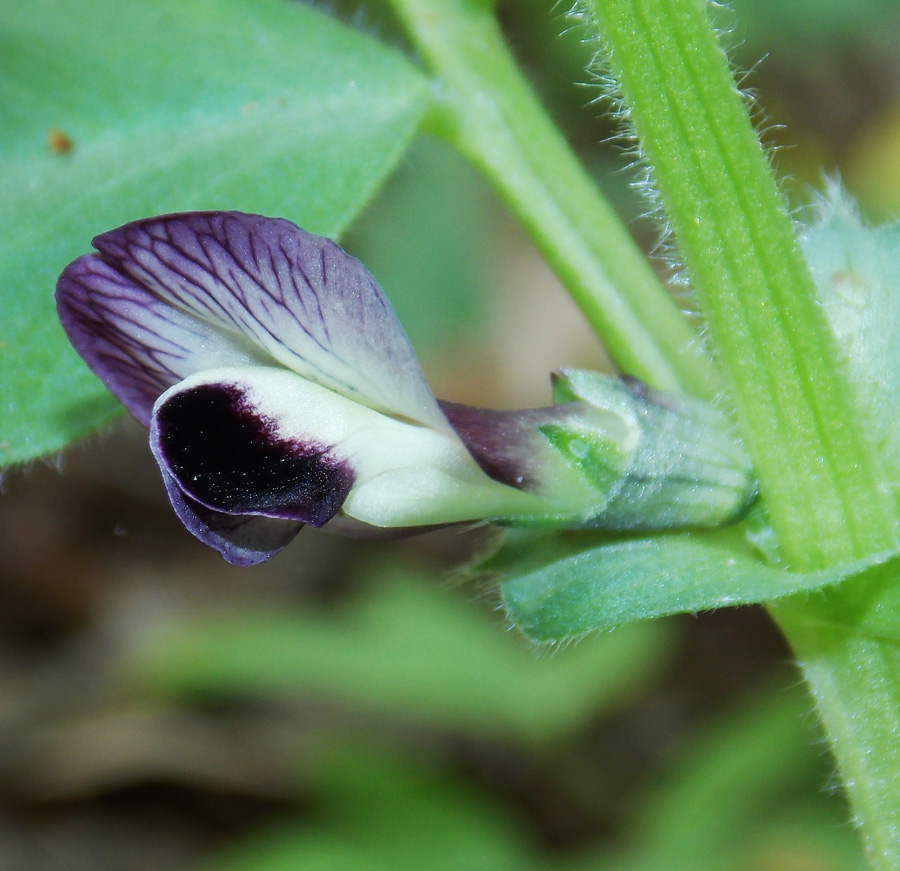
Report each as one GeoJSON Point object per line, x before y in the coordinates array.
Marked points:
{"type": "Point", "coordinates": [135, 342]}
{"type": "Point", "coordinates": [264, 441]}
{"type": "Point", "coordinates": [507, 444]}
{"type": "Point", "coordinates": [226, 456]}
{"type": "Point", "coordinates": [242, 540]}
{"type": "Point", "coordinates": [300, 298]}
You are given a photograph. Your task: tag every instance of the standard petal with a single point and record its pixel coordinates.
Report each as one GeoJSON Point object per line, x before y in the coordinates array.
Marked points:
{"type": "Point", "coordinates": [241, 540]}
{"type": "Point", "coordinates": [299, 297]}
{"type": "Point", "coordinates": [135, 342]}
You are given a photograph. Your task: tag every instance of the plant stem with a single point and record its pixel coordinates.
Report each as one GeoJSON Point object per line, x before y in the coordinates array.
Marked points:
{"type": "Point", "coordinates": [484, 106]}
{"type": "Point", "coordinates": [818, 470]}
{"type": "Point", "coordinates": [815, 463]}
{"type": "Point", "coordinates": [853, 673]}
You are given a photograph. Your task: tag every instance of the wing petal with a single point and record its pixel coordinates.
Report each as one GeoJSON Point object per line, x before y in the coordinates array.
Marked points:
{"type": "Point", "coordinates": [242, 540]}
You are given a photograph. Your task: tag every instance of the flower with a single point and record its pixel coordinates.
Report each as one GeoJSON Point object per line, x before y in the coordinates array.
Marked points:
{"type": "Point", "coordinates": [280, 390]}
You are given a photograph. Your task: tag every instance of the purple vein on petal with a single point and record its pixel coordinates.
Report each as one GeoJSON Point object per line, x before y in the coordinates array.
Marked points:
{"type": "Point", "coordinates": [138, 345]}
{"type": "Point", "coordinates": [303, 300]}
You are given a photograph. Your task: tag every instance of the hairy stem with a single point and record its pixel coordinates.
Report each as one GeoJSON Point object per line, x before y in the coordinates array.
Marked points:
{"type": "Point", "coordinates": [484, 106]}
{"type": "Point", "coordinates": [819, 472]}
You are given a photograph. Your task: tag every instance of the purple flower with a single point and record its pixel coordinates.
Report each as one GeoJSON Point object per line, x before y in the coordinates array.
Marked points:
{"type": "Point", "coordinates": [280, 390]}
{"type": "Point", "coordinates": [277, 382]}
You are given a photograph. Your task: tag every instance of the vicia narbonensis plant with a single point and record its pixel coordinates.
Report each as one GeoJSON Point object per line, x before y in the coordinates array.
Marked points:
{"type": "Point", "coordinates": [280, 390]}
{"type": "Point", "coordinates": [801, 328]}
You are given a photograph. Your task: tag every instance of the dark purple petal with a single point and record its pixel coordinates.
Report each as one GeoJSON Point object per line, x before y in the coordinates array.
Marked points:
{"type": "Point", "coordinates": [242, 540]}
{"type": "Point", "coordinates": [299, 298]}
{"type": "Point", "coordinates": [137, 344]}
{"type": "Point", "coordinates": [506, 444]}
{"type": "Point", "coordinates": [226, 456]}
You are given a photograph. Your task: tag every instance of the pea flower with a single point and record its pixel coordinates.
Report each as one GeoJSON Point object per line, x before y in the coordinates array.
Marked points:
{"type": "Point", "coordinates": [280, 390]}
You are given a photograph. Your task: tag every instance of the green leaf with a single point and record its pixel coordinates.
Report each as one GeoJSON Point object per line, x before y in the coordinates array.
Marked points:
{"type": "Point", "coordinates": [406, 649]}
{"type": "Point", "coordinates": [379, 810]}
{"type": "Point", "coordinates": [743, 793]}
{"type": "Point", "coordinates": [263, 106]}
{"type": "Point", "coordinates": [762, 750]}
{"type": "Point", "coordinates": [556, 587]}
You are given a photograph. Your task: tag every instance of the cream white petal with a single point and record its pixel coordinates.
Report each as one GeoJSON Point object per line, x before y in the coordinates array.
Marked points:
{"type": "Point", "coordinates": [258, 440]}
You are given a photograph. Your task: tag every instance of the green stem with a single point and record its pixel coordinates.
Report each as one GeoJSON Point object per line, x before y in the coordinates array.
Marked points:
{"type": "Point", "coordinates": [852, 671]}
{"type": "Point", "coordinates": [486, 108]}
{"type": "Point", "coordinates": [820, 474]}
{"type": "Point", "coordinates": [816, 465]}
{"type": "Point", "coordinates": [818, 470]}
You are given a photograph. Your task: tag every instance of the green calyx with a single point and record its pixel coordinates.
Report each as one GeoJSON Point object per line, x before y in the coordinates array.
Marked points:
{"type": "Point", "coordinates": [650, 460]}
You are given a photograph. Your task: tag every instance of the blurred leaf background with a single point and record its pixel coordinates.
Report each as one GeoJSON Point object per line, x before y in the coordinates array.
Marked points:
{"type": "Point", "coordinates": [352, 706]}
